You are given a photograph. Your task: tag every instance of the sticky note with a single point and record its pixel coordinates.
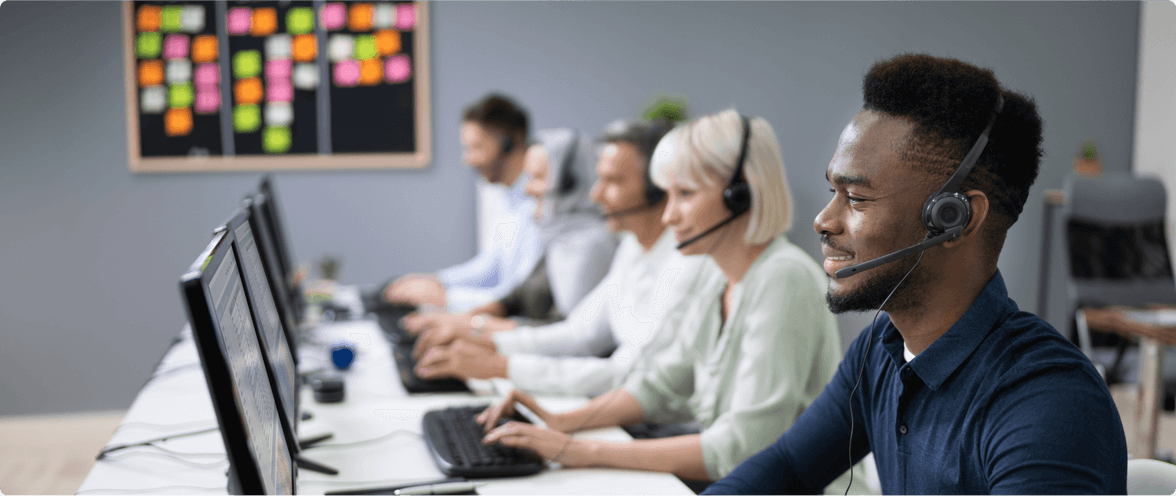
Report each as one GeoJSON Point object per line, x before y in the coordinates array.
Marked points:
{"type": "Point", "coordinates": [405, 16]}
{"type": "Point", "coordinates": [333, 16]}
{"type": "Point", "coordinates": [153, 99]}
{"type": "Point", "coordinates": [370, 72]}
{"type": "Point", "coordinates": [347, 73]}
{"type": "Point", "coordinates": [300, 20]}
{"type": "Point", "coordinates": [247, 91]}
{"type": "Point", "coordinates": [179, 71]}
{"type": "Point", "coordinates": [192, 19]}
{"type": "Point", "coordinates": [239, 20]}
{"type": "Point", "coordinates": [279, 90]}
{"type": "Point", "coordinates": [246, 64]}
{"type": "Point", "coordinates": [148, 45]}
{"type": "Point", "coordinates": [278, 69]}
{"type": "Point", "coordinates": [150, 73]}
{"type": "Point", "coordinates": [179, 95]}
{"type": "Point", "coordinates": [387, 42]}
{"type": "Point", "coordinates": [359, 17]}
{"type": "Point", "coordinates": [341, 47]}
{"type": "Point", "coordinates": [175, 46]}
{"type": "Point", "coordinates": [246, 118]}
{"type": "Point", "coordinates": [207, 76]}
{"type": "Point", "coordinates": [397, 69]}
{"type": "Point", "coordinates": [277, 47]}
{"type": "Point", "coordinates": [147, 19]}
{"type": "Point", "coordinates": [204, 48]}
{"type": "Point", "coordinates": [207, 101]}
{"type": "Point", "coordinates": [304, 48]}
{"type": "Point", "coordinates": [384, 16]}
{"type": "Point", "coordinates": [170, 18]}
{"type": "Point", "coordinates": [275, 139]}
{"type": "Point", "coordinates": [177, 121]}
{"type": "Point", "coordinates": [365, 47]}
{"type": "Point", "coordinates": [279, 114]}
{"type": "Point", "coordinates": [306, 76]}
{"type": "Point", "coordinates": [265, 21]}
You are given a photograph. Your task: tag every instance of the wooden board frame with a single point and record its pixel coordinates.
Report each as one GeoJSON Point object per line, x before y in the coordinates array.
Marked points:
{"type": "Point", "coordinates": [422, 123]}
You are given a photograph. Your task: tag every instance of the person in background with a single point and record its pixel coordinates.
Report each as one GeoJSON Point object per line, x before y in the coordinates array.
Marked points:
{"type": "Point", "coordinates": [494, 132]}
{"type": "Point", "coordinates": [578, 247]}
{"type": "Point", "coordinates": [954, 389]}
{"type": "Point", "coordinates": [591, 351]}
{"type": "Point", "coordinates": [754, 342]}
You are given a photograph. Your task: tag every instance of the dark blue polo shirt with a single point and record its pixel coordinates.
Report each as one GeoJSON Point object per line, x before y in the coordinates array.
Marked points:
{"type": "Point", "coordinates": [1000, 403]}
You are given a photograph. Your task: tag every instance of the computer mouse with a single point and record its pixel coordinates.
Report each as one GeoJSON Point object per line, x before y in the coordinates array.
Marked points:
{"type": "Point", "coordinates": [327, 389]}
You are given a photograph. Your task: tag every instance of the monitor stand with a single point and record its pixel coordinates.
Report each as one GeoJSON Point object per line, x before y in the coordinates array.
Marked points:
{"type": "Point", "coordinates": [307, 464]}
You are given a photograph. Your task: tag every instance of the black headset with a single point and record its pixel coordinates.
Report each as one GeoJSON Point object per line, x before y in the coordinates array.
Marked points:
{"type": "Point", "coordinates": [737, 196]}
{"type": "Point", "coordinates": [567, 176]}
{"type": "Point", "coordinates": [947, 211]}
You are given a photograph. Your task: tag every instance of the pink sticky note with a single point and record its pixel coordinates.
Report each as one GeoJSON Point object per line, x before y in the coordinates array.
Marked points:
{"type": "Point", "coordinates": [347, 73]}
{"type": "Point", "coordinates": [279, 90]}
{"type": "Point", "coordinates": [207, 101]}
{"type": "Point", "coordinates": [333, 16]}
{"type": "Point", "coordinates": [240, 19]}
{"type": "Point", "coordinates": [207, 75]}
{"type": "Point", "coordinates": [405, 16]}
{"type": "Point", "coordinates": [397, 69]}
{"type": "Point", "coordinates": [279, 68]}
{"type": "Point", "coordinates": [175, 46]}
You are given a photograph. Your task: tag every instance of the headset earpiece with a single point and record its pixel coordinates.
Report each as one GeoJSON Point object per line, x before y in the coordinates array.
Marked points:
{"type": "Point", "coordinates": [567, 173]}
{"type": "Point", "coordinates": [737, 196]}
{"type": "Point", "coordinates": [506, 145]}
{"type": "Point", "coordinates": [946, 211]}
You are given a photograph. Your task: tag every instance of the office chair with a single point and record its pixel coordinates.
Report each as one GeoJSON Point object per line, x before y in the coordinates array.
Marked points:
{"type": "Point", "coordinates": [1146, 476]}
{"type": "Point", "coordinates": [1118, 255]}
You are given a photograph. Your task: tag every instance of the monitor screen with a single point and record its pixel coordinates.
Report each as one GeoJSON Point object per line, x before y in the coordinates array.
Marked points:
{"type": "Point", "coordinates": [277, 230]}
{"type": "Point", "coordinates": [273, 337]}
{"type": "Point", "coordinates": [264, 240]}
{"type": "Point", "coordinates": [222, 325]}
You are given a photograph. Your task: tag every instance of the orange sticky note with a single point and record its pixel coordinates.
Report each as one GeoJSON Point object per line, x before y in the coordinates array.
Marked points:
{"type": "Point", "coordinates": [370, 72]}
{"type": "Point", "coordinates": [177, 121]}
{"type": "Point", "coordinates": [265, 21]}
{"type": "Point", "coordinates": [150, 72]}
{"type": "Point", "coordinates": [204, 49]}
{"type": "Point", "coordinates": [148, 18]}
{"type": "Point", "coordinates": [387, 42]}
{"type": "Point", "coordinates": [304, 48]}
{"type": "Point", "coordinates": [247, 91]}
{"type": "Point", "coordinates": [359, 18]}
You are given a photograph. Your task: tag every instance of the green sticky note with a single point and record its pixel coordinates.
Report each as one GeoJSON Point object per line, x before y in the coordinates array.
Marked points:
{"type": "Point", "coordinates": [180, 95]}
{"type": "Point", "coordinates": [365, 47]}
{"type": "Point", "coordinates": [246, 64]}
{"type": "Point", "coordinates": [169, 19]}
{"type": "Point", "coordinates": [275, 139]}
{"type": "Point", "coordinates": [300, 20]}
{"type": "Point", "coordinates": [148, 45]}
{"type": "Point", "coordinates": [246, 118]}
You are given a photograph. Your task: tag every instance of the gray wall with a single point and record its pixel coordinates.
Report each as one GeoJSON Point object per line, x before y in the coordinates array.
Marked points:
{"type": "Point", "coordinates": [91, 253]}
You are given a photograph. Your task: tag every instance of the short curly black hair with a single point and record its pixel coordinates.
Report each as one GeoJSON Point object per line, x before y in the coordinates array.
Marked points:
{"type": "Point", "coordinates": [501, 114]}
{"type": "Point", "coordinates": [950, 102]}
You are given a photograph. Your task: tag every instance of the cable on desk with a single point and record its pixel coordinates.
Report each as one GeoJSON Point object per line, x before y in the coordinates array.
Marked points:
{"type": "Point", "coordinates": [129, 454]}
{"type": "Point", "coordinates": [180, 453]}
{"type": "Point", "coordinates": [154, 425]}
{"type": "Point", "coordinates": [179, 368]}
{"type": "Point", "coordinates": [109, 449]}
{"type": "Point", "coordinates": [150, 490]}
{"type": "Point", "coordinates": [367, 441]}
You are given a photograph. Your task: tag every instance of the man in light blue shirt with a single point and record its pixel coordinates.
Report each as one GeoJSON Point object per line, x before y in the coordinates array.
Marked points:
{"type": "Point", "coordinates": [493, 139]}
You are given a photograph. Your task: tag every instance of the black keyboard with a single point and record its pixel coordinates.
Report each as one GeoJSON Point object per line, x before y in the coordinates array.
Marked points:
{"type": "Point", "coordinates": [455, 441]}
{"type": "Point", "coordinates": [405, 363]}
{"type": "Point", "coordinates": [388, 317]}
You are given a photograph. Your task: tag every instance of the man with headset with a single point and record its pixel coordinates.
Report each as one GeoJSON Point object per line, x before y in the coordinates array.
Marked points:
{"type": "Point", "coordinates": [954, 389]}
{"type": "Point", "coordinates": [493, 138]}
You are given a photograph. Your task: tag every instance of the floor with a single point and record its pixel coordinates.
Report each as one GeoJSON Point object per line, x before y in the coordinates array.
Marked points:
{"type": "Point", "coordinates": [53, 454]}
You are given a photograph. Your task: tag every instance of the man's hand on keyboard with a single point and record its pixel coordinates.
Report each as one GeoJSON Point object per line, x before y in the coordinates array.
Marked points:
{"type": "Point", "coordinates": [416, 289]}
{"type": "Point", "coordinates": [444, 335]}
{"type": "Point", "coordinates": [461, 359]}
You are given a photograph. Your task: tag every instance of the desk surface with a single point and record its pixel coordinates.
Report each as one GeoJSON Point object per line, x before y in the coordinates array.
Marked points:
{"type": "Point", "coordinates": [377, 431]}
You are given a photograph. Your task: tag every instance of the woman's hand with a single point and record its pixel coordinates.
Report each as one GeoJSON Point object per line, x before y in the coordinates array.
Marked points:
{"type": "Point", "coordinates": [463, 360]}
{"type": "Point", "coordinates": [416, 289]}
{"type": "Point", "coordinates": [489, 417]}
{"type": "Point", "coordinates": [421, 322]}
{"type": "Point", "coordinates": [549, 444]}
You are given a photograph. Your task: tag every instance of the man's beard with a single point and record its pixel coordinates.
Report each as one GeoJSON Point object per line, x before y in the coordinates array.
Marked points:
{"type": "Point", "coordinates": [873, 292]}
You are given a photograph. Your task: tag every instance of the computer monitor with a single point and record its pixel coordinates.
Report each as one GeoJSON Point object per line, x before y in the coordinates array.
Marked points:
{"type": "Point", "coordinates": [273, 272]}
{"type": "Point", "coordinates": [260, 459]}
{"type": "Point", "coordinates": [275, 348]}
{"type": "Point", "coordinates": [273, 216]}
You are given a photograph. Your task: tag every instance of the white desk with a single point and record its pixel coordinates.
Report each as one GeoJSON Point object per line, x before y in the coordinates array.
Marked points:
{"type": "Point", "coordinates": [376, 408]}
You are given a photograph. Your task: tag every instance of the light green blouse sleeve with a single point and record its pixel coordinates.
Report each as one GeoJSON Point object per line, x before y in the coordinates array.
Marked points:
{"type": "Point", "coordinates": [787, 351]}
